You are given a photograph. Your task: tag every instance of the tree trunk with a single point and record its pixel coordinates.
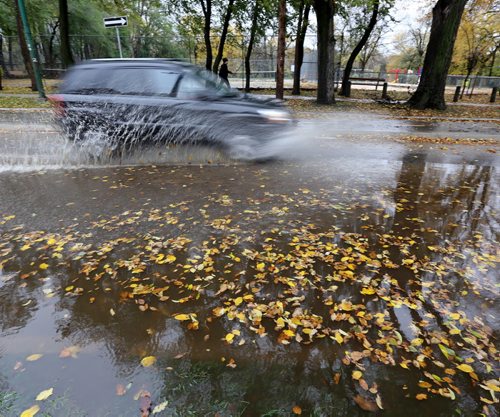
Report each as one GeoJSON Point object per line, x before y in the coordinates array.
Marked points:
{"type": "Point", "coordinates": [299, 45]}
{"type": "Point", "coordinates": [11, 57]}
{"type": "Point", "coordinates": [220, 50]}
{"type": "Point", "coordinates": [359, 47]}
{"type": "Point", "coordinates": [3, 64]}
{"type": "Point", "coordinates": [280, 62]}
{"type": "Point", "coordinates": [24, 47]}
{"type": "Point", "coordinates": [492, 65]}
{"type": "Point", "coordinates": [326, 47]}
{"type": "Point", "coordinates": [66, 56]}
{"type": "Point", "coordinates": [207, 13]}
{"type": "Point", "coordinates": [446, 16]}
{"type": "Point", "coordinates": [251, 41]}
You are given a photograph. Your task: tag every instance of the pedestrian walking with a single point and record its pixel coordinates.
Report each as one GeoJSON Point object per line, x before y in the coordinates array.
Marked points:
{"type": "Point", "coordinates": [224, 71]}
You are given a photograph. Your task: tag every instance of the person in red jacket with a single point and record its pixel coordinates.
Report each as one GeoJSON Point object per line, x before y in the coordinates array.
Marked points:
{"type": "Point", "coordinates": [224, 71]}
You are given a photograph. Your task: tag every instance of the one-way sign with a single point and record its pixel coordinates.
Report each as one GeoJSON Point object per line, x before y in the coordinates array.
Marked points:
{"type": "Point", "coordinates": [111, 22]}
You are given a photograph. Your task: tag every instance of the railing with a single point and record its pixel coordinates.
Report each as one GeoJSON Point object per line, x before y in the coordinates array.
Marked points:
{"type": "Point", "coordinates": [263, 65]}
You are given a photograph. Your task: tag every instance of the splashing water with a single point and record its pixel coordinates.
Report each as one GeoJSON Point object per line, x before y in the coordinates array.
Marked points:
{"type": "Point", "coordinates": [35, 143]}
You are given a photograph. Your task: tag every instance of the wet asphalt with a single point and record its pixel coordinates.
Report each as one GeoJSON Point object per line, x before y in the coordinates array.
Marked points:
{"type": "Point", "coordinates": [349, 177]}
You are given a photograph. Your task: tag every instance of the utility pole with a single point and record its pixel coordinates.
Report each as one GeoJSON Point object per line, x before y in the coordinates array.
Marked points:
{"type": "Point", "coordinates": [280, 67]}
{"type": "Point", "coordinates": [31, 48]}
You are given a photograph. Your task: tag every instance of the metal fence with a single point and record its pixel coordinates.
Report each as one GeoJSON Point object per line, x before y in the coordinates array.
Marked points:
{"type": "Point", "coordinates": [263, 62]}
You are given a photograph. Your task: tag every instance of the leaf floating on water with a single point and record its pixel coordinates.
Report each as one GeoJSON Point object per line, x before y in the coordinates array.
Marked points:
{"type": "Point", "coordinates": [30, 412]}
{"type": "Point", "coordinates": [160, 407]}
{"type": "Point", "coordinates": [45, 394]}
{"type": "Point", "coordinates": [120, 390]}
{"type": "Point", "coordinates": [182, 317]}
{"type": "Point", "coordinates": [421, 397]}
{"type": "Point", "coordinates": [145, 403]}
{"type": "Point", "coordinates": [363, 384]}
{"type": "Point", "coordinates": [365, 403]}
{"type": "Point", "coordinates": [71, 351]}
{"type": "Point", "coordinates": [34, 357]}
{"type": "Point", "coordinates": [148, 361]}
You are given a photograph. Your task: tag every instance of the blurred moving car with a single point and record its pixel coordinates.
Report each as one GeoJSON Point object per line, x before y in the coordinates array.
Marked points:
{"type": "Point", "coordinates": [163, 100]}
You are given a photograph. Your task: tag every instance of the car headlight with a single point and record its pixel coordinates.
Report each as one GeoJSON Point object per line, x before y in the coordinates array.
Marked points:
{"type": "Point", "coordinates": [275, 115]}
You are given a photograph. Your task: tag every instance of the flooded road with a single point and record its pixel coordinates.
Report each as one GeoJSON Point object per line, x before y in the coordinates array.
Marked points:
{"type": "Point", "coordinates": [355, 276]}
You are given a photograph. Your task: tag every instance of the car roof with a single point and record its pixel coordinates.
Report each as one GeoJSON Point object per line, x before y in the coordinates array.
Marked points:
{"type": "Point", "coordinates": [117, 62]}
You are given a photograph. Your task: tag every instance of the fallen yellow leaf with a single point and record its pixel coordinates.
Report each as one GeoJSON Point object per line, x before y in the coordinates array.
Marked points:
{"type": "Point", "coordinates": [465, 368]}
{"type": "Point", "coordinates": [30, 412]}
{"type": "Point", "coordinates": [34, 357]}
{"type": "Point", "coordinates": [45, 394]}
{"type": "Point", "coordinates": [148, 361]}
{"type": "Point", "coordinates": [357, 375]}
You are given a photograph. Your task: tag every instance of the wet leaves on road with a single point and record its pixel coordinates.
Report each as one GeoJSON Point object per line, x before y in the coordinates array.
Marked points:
{"type": "Point", "coordinates": [390, 292]}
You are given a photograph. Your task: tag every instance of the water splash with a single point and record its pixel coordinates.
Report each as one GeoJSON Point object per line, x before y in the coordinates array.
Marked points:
{"type": "Point", "coordinates": [138, 137]}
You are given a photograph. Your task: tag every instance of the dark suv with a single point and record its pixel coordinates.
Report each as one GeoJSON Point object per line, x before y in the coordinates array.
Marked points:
{"type": "Point", "coordinates": [162, 100]}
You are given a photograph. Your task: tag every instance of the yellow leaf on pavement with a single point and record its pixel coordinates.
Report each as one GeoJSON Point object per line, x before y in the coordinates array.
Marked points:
{"type": "Point", "coordinates": [465, 368]}
{"type": "Point", "coordinates": [357, 375]}
{"type": "Point", "coordinates": [34, 357]}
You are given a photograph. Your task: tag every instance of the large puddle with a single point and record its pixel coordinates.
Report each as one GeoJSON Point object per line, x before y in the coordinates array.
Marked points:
{"type": "Point", "coordinates": [329, 288]}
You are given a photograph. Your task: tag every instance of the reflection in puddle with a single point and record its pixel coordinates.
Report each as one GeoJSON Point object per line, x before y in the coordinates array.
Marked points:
{"type": "Point", "coordinates": [256, 289]}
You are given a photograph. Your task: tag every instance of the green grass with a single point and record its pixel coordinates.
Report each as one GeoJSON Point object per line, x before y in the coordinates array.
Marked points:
{"type": "Point", "coordinates": [22, 102]}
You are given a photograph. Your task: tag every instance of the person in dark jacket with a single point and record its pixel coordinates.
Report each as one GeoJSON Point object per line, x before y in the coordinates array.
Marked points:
{"type": "Point", "coordinates": [224, 71]}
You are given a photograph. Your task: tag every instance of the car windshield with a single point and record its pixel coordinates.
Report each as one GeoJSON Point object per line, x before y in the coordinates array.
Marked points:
{"type": "Point", "coordinates": [214, 83]}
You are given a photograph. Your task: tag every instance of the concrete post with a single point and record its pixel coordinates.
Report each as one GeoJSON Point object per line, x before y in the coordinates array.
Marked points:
{"type": "Point", "coordinates": [493, 94]}
{"type": "Point", "coordinates": [384, 91]}
{"type": "Point", "coordinates": [348, 92]}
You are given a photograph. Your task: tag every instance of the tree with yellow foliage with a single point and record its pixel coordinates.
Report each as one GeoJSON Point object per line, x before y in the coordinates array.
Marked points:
{"type": "Point", "coordinates": [478, 38]}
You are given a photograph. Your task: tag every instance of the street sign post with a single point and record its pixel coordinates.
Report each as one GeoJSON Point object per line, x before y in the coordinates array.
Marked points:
{"type": "Point", "coordinates": [31, 49]}
{"type": "Point", "coordinates": [116, 22]}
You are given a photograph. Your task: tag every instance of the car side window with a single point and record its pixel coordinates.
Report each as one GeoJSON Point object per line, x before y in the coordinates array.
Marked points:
{"type": "Point", "coordinates": [126, 81]}
{"type": "Point", "coordinates": [190, 87]}
{"type": "Point", "coordinates": [143, 81]}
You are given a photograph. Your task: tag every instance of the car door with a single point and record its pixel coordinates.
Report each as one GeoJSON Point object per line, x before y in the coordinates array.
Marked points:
{"type": "Point", "coordinates": [145, 107]}
{"type": "Point", "coordinates": [200, 109]}
{"type": "Point", "coordinates": [129, 102]}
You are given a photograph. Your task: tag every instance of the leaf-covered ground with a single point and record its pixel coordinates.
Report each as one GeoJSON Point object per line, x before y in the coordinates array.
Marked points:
{"type": "Point", "coordinates": [389, 281]}
{"type": "Point", "coordinates": [308, 108]}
